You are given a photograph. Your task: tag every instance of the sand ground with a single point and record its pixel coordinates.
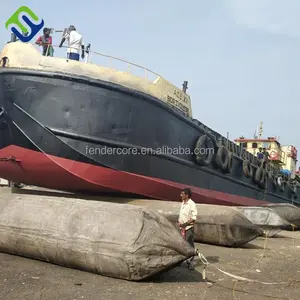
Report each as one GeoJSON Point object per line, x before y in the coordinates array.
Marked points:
{"type": "Point", "coordinates": [270, 260]}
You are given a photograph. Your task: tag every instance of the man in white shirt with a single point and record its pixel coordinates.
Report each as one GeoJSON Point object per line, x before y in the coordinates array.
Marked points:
{"type": "Point", "coordinates": [187, 217]}
{"type": "Point", "coordinates": [75, 43]}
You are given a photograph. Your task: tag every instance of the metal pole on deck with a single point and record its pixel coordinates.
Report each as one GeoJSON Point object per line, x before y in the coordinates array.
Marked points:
{"type": "Point", "coordinates": [13, 38]}
{"type": "Point", "coordinates": [87, 51]}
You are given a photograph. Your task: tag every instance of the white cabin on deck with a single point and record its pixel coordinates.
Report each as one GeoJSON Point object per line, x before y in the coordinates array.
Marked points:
{"type": "Point", "coordinates": [284, 156]}
{"type": "Point", "coordinates": [290, 161]}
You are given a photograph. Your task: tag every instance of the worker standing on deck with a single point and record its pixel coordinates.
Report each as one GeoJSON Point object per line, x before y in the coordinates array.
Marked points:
{"type": "Point", "coordinates": [187, 217]}
{"type": "Point", "coordinates": [45, 41]}
{"type": "Point", "coordinates": [260, 154]}
{"type": "Point", "coordinates": [75, 43]}
{"type": "Point", "coordinates": [266, 154]}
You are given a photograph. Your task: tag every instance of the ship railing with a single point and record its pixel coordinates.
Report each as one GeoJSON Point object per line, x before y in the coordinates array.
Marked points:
{"type": "Point", "coordinates": [108, 61]}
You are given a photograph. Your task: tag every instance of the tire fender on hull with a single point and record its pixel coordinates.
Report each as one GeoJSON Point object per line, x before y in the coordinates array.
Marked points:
{"type": "Point", "coordinates": [203, 150]}
{"type": "Point", "coordinates": [280, 184]}
{"type": "Point", "coordinates": [230, 161]}
{"type": "Point", "coordinates": [295, 191]}
{"type": "Point", "coordinates": [274, 180]}
{"type": "Point", "coordinates": [223, 159]}
{"type": "Point", "coordinates": [263, 163]}
{"type": "Point", "coordinates": [290, 189]}
{"type": "Point", "coordinates": [247, 168]}
{"type": "Point", "coordinates": [260, 177]}
{"type": "Point", "coordinates": [270, 176]}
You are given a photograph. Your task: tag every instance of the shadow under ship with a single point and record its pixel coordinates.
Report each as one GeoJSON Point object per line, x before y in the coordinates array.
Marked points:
{"type": "Point", "coordinates": [79, 127]}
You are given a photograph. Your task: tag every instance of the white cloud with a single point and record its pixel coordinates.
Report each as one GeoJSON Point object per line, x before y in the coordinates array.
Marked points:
{"type": "Point", "coordinates": [271, 16]}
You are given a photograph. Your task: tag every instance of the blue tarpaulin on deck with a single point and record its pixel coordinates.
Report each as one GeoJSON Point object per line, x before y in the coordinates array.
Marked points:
{"type": "Point", "coordinates": [286, 172]}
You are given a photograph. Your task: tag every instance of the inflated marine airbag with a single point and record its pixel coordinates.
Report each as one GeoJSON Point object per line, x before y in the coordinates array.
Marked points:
{"type": "Point", "coordinates": [115, 240]}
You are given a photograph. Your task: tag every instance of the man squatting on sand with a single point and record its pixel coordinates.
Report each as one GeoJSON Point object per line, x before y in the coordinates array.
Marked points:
{"type": "Point", "coordinates": [187, 217]}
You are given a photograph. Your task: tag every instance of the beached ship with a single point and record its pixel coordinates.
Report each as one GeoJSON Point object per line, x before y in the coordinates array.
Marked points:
{"type": "Point", "coordinates": [81, 127]}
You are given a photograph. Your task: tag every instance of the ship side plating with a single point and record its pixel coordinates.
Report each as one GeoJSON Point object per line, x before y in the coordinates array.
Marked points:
{"type": "Point", "coordinates": [70, 112]}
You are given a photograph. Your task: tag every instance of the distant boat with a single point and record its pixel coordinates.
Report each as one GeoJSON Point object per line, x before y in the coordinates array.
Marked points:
{"type": "Point", "coordinates": [81, 127]}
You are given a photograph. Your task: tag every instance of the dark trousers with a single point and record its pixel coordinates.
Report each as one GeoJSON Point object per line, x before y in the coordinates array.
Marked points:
{"type": "Point", "coordinates": [189, 237]}
{"type": "Point", "coordinates": [73, 56]}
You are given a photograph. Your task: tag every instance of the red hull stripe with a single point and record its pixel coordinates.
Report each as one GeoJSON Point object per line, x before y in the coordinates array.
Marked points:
{"type": "Point", "coordinates": [54, 172]}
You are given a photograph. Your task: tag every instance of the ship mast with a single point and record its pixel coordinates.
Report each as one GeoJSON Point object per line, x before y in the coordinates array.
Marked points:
{"type": "Point", "coordinates": [260, 132]}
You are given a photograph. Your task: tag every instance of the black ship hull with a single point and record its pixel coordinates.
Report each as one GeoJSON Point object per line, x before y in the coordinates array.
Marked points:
{"type": "Point", "coordinates": [82, 135]}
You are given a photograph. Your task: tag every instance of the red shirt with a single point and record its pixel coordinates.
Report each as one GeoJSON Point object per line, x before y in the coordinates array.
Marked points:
{"type": "Point", "coordinates": [47, 40]}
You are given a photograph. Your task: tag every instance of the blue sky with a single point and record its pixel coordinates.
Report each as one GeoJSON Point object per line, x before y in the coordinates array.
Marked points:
{"type": "Point", "coordinates": [241, 57]}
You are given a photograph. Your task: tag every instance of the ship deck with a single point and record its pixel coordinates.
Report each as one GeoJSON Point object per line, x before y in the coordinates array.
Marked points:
{"type": "Point", "coordinates": [27, 56]}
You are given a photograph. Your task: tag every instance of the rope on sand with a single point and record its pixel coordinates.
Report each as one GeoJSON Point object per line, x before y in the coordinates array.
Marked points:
{"type": "Point", "coordinates": [240, 278]}
{"type": "Point", "coordinates": [206, 263]}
